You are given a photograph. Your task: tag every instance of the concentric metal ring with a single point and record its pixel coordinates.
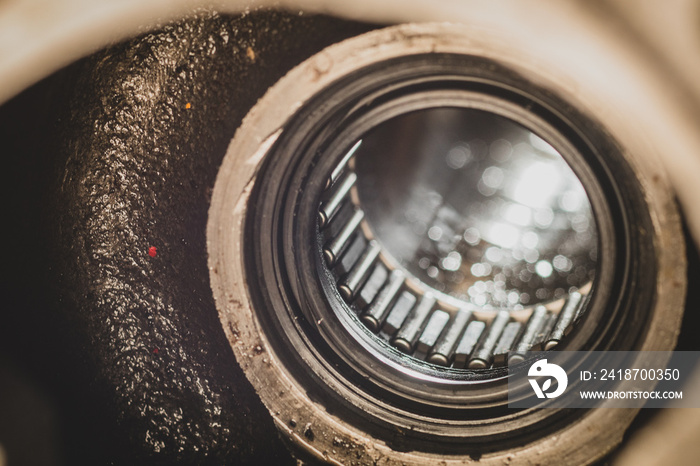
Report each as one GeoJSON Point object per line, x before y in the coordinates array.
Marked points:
{"type": "Point", "coordinates": [310, 367]}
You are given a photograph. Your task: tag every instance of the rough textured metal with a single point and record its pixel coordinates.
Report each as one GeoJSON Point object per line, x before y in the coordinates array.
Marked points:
{"type": "Point", "coordinates": [148, 124]}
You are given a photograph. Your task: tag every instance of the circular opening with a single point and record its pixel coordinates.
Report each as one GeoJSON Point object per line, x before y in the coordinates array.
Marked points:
{"type": "Point", "coordinates": [277, 226]}
{"type": "Point", "coordinates": [459, 237]}
{"type": "Point", "coordinates": [298, 198]}
{"type": "Point", "coordinates": [349, 309]}
{"type": "Point", "coordinates": [477, 207]}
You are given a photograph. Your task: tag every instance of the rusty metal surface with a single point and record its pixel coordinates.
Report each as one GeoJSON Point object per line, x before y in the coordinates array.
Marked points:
{"type": "Point", "coordinates": [140, 131]}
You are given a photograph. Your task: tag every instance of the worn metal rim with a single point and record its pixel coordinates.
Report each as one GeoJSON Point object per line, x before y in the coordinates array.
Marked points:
{"type": "Point", "coordinates": [305, 420]}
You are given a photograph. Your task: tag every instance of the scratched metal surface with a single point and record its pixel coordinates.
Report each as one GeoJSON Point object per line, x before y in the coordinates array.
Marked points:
{"type": "Point", "coordinates": [130, 165]}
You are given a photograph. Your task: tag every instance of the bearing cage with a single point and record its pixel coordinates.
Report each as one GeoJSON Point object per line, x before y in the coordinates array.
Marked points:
{"type": "Point", "coordinates": [298, 149]}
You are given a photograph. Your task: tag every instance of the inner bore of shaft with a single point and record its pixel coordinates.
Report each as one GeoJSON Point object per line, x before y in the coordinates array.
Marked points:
{"type": "Point", "coordinates": [460, 237]}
